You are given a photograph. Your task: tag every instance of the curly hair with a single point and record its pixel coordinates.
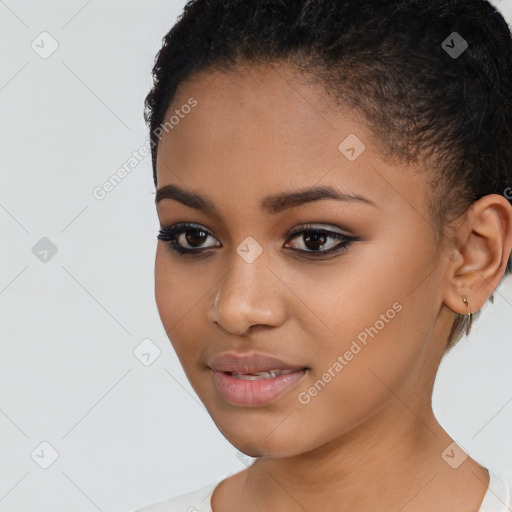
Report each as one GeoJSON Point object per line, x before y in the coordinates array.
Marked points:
{"type": "Point", "coordinates": [387, 59]}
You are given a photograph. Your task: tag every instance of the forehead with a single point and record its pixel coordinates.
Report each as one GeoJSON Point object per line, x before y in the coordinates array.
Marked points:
{"type": "Point", "coordinates": [259, 130]}
{"type": "Point", "coordinates": [250, 109]}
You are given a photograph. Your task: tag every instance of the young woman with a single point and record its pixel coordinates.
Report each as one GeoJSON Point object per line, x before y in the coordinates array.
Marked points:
{"type": "Point", "coordinates": [333, 187]}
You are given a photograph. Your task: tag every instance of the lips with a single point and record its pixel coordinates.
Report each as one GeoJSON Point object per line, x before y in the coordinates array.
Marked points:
{"type": "Point", "coordinates": [271, 374]}
{"type": "Point", "coordinates": [254, 380]}
{"type": "Point", "coordinates": [252, 364]}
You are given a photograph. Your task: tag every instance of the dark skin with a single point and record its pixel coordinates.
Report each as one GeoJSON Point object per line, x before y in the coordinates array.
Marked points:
{"type": "Point", "coordinates": [369, 440]}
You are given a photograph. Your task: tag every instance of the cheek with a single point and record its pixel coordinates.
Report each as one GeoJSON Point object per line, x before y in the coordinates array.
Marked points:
{"type": "Point", "coordinates": [177, 290]}
{"type": "Point", "coordinates": [366, 315]}
{"type": "Point", "coordinates": [166, 289]}
{"type": "Point", "coordinates": [177, 298]}
{"type": "Point", "coordinates": [337, 302]}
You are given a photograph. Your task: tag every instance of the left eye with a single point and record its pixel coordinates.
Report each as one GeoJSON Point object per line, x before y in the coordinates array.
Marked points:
{"type": "Point", "coordinates": [316, 240]}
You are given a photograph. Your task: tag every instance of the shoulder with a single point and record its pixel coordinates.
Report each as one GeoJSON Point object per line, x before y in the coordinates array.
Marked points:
{"type": "Point", "coordinates": [498, 497]}
{"type": "Point", "coordinates": [508, 491]}
{"type": "Point", "coordinates": [195, 501]}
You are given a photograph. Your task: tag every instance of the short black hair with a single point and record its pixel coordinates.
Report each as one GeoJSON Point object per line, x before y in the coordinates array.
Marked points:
{"type": "Point", "coordinates": [433, 79]}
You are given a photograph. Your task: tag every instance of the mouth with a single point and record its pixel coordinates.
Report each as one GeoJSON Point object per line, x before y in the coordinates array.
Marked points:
{"type": "Point", "coordinates": [251, 364]}
{"type": "Point", "coordinates": [256, 389]}
{"type": "Point", "coordinates": [270, 374]}
{"type": "Point", "coordinates": [254, 379]}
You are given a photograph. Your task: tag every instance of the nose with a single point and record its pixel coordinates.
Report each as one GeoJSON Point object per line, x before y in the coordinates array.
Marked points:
{"type": "Point", "coordinates": [250, 294]}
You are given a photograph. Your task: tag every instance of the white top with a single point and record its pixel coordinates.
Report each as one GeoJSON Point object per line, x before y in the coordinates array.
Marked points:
{"type": "Point", "coordinates": [498, 498]}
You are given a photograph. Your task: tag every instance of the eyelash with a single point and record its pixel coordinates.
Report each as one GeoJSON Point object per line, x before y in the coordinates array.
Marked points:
{"type": "Point", "coordinates": [170, 235]}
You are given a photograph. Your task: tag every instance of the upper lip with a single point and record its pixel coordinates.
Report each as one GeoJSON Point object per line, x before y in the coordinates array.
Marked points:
{"type": "Point", "coordinates": [250, 363]}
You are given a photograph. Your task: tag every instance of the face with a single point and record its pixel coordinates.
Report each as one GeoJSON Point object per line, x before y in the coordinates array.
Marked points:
{"type": "Point", "coordinates": [342, 284]}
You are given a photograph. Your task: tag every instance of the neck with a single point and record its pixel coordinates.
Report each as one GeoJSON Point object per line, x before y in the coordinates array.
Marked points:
{"type": "Point", "coordinates": [384, 464]}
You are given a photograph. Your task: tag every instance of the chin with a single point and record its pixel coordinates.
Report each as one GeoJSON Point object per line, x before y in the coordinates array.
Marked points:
{"type": "Point", "coordinates": [250, 438]}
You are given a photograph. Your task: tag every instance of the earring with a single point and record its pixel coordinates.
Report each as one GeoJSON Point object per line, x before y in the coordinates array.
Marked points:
{"type": "Point", "coordinates": [470, 314]}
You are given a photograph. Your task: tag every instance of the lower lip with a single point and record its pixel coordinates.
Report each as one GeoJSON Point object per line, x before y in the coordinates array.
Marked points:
{"type": "Point", "coordinates": [252, 393]}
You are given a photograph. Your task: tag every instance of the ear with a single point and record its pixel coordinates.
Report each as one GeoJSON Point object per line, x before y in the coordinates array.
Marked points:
{"type": "Point", "coordinates": [485, 243]}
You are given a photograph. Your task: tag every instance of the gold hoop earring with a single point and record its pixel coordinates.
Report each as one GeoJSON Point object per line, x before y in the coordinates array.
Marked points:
{"type": "Point", "coordinates": [470, 314]}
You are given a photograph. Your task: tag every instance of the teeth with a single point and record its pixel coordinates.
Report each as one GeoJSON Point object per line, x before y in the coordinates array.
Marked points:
{"type": "Point", "coordinates": [260, 375]}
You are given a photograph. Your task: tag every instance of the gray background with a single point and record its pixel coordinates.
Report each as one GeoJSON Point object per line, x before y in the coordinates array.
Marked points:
{"type": "Point", "coordinates": [126, 434]}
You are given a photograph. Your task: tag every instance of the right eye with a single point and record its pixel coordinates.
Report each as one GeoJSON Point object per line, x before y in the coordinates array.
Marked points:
{"type": "Point", "coordinates": [186, 238]}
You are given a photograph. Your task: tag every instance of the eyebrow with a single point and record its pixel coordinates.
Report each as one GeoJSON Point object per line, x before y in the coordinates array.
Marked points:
{"type": "Point", "coordinates": [271, 204]}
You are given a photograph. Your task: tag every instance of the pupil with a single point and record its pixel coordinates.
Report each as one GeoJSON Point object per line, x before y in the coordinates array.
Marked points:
{"type": "Point", "coordinates": [315, 238]}
{"type": "Point", "coordinates": [196, 240]}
